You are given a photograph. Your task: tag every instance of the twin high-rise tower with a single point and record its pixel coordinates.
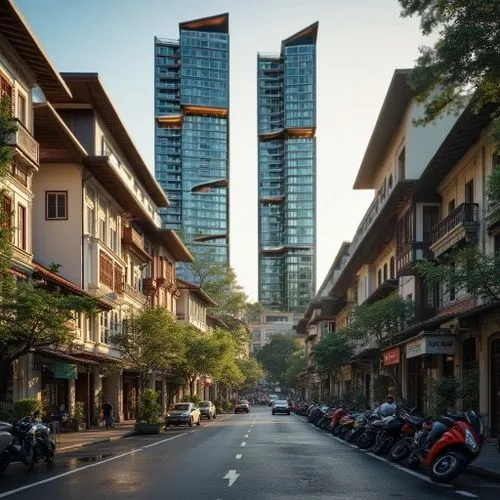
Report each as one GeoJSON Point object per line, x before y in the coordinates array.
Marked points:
{"type": "Point", "coordinates": [192, 153]}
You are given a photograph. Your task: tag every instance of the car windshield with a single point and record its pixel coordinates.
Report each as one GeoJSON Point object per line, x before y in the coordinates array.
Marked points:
{"type": "Point", "coordinates": [281, 402]}
{"type": "Point", "coordinates": [204, 404]}
{"type": "Point", "coordinates": [243, 402]}
{"type": "Point", "coordinates": [181, 406]}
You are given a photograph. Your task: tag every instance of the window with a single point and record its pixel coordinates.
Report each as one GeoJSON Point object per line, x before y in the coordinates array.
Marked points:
{"type": "Point", "coordinates": [401, 165]}
{"type": "Point", "coordinates": [469, 191]}
{"type": "Point", "coordinates": [430, 219]}
{"type": "Point", "coordinates": [6, 212]}
{"type": "Point", "coordinates": [392, 274]}
{"type": "Point", "coordinates": [451, 206]}
{"type": "Point", "coordinates": [385, 271]}
{"type": "Point", "coordinates": [56, 205]}
{"type": "Point", "coordinates": [104, 327]}
{"type": "Point", "coordinates": [90, 221]}
{"type": "Point", "coordinates": [21, 227]}
{"type": "Point", "coordinates": [102, 230]}
{"type": "Point", "coordinates": [21, 108]}
{"type": "Point", "coordinates": [112, 239]}
{"type": "Point", "coordinates": [379, 277]}
{"type": "Point", "coordinates": [5, 89]}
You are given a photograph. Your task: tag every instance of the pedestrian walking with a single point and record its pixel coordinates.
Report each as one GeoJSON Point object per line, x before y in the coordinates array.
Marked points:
{"type": "Point", "coordinates": [107, 411]}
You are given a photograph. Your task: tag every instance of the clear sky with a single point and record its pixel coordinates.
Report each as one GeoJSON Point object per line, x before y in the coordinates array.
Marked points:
{"type": "Point", "coordinates": [360, 43]}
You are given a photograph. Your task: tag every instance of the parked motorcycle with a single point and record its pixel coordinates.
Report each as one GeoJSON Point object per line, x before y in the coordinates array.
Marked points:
{"type": "Point", "coordinates": [401, 449]}
{"type": "Point", "coordinates": [29, 442]}
{"type": "Point", "coordinates": [450, 452]}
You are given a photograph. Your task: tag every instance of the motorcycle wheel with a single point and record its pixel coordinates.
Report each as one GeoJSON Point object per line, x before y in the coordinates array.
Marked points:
{"type": "Point", "coordinates": [349, 436]}
{"type": "Point", "coordinates": [400, 451]}
{"type": "Point", "coordinates": [413, 461]}
{"type": "Point", "coordinates": [384, 446]}
{"type": "Point", "coordinates": [447, 466]}
{"type": "Point", "coordinates": [366, 440]}
{"type": "Point", "coordinates": [29, 456]}
{"type": "Point", "coordinates": [4, 462]}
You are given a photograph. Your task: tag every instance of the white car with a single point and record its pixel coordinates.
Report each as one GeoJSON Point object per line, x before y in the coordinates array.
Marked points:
{"type": "Point", "coordinates": [183, 413]}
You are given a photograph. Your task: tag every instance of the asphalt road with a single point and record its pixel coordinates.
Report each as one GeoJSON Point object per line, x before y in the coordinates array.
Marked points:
{"type": "Point", "coordinates": [244, 457]}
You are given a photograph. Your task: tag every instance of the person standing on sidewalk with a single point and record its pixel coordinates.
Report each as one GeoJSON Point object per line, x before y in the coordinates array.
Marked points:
{"type": "Point", "coordinates": [107, 410]}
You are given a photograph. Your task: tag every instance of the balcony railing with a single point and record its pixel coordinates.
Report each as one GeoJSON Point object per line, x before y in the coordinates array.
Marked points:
{"type": "Point", "coordinates": [149, 285]}
{"type": "Point", "coordinates": [464, 213]}
{"type": "Point", "coordinates": [133, 292]}
{"type": "Point", "coordinates": [410, 254]}
{"type": "Point", "coordinates": [23, 140]}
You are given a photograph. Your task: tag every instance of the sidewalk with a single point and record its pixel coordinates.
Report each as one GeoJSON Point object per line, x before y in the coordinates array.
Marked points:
{"type": "Point", "coordinates": [488, 463]}
{"type": "Point", "coordinates": [66, 441]}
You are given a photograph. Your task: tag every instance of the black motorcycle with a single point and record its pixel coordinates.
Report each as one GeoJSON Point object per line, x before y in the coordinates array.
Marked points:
{"type": "Point", "coordinates": [31, 441]}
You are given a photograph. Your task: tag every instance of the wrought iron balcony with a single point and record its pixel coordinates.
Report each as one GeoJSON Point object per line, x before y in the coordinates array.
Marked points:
{"type": "Point", "coordinates": [461, 225]}
{"type": "Point", "coordinates": [409, 255]}
{"type": "Point", "coordinates": [23, 141]}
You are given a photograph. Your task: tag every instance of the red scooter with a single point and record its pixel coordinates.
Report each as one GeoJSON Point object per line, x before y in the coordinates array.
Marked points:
{"type": "Point", "coordinates": [457, 446]}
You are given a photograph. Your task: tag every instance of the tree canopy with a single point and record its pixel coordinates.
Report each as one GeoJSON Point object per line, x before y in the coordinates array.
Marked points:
{"type": "Point", "coordinates": [333, 350]}
{"type": "Point", "coordinates": [382, 319]}
{"type": "Point", "coordinates": [252, 371]}
{"type": "Point", "coordinates": [465, 59]}
{"type": "Point", "coordinates": [151, 340]}
{"type": "Point", "coordinates": [275, 356]}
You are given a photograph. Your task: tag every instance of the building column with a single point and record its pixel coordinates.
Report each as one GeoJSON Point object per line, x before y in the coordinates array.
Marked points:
{"type": "Point", "coordinates": [71, 396]}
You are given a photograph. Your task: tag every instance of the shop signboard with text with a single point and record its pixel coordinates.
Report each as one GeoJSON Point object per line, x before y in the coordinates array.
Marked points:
{"type": "Point", "coordinates": [431, 344]}
{"type": "Point", "coordinates": [391, 356]}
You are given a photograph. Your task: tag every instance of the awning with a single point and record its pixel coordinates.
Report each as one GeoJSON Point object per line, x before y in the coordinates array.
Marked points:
{"type": "Point", "coordinates": [56, 354]}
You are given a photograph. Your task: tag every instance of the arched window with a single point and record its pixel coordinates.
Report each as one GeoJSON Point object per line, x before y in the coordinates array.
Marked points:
{"type": "Point", "coordinates": [385, 271]}
{"type": "Point", "coordinates": [392, 273]}
{"type": "Point", "coordinates": [379, 277]}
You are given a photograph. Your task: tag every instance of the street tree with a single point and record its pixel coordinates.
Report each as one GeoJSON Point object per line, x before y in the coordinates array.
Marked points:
{"type": "Point", "coordinates": [382, 321]}
{"type": "Point", "coordinates": [33, 318]}
{"type": "Point", "coordinates": [464, 61]}
{"type": "Point", "coordinates": [202, 352]}
{"type": "Point", "coordinates": [275, 356]}
{"type": "Point", "coordinates": [227, 373]}
{"type": "Point", "coordinates": [296, 366]}
{"type": "Point", "coordinates": [150, 342]}
{"type": "Point", "coordinates": [252, 371]}
{"type": "Point", "coordinates": [333, 350]}
{"type": "Point", "coordinates": [467, 269]}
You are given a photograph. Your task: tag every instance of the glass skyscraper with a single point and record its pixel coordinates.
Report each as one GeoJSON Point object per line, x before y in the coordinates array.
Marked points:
{"type": "Point", "coordinates": [286, 95]}
{"type": "Point", "coordinates": [192, 135]}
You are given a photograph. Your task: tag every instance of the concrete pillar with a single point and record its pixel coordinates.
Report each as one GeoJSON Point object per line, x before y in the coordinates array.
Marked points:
{"type": "Point", "coordinates": [71, 396]}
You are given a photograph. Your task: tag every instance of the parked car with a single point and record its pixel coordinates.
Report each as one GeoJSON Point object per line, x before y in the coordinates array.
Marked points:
{"type": "Point", "coordinates": [281, 406]}
{"type": "Point", "coordinates": [242, 405]}
{"type": "Point", "coordinates": [207, 409]}
{"type": "Point", "coordinates": [183, 413]}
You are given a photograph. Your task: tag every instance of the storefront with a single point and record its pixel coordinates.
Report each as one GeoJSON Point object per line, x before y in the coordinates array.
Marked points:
{"type": "Point", "coordinates": [430, 354]}
{"type": "Point", "coordinates": [391, 361]}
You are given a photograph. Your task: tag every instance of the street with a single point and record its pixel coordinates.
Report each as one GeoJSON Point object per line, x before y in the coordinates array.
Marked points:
{"type": "Point", "coordinates": [235, 457]}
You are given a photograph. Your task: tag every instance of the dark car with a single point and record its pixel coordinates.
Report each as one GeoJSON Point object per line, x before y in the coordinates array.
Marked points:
{"type": "Point", "coordinates": [207, 409]}
{"type": "Point", "coordinates": [281, 406]}
{"type": "Point", "coordinates": [183, 413]}
{"type": "Point", "coordinates": [242, 405]}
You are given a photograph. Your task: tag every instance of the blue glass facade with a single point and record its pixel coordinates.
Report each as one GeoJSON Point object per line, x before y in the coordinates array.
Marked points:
{"type": "Point", "coordinates": [286, 86]}
{"type": "Point", "coordinates": [192, 135]}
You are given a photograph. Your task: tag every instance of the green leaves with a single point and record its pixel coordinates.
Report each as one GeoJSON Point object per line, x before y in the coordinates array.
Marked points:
{"type": "Point", "coordinates": [34, 318]}
{"type": "Point", "coordinates": [252, 371]}
{"type": "Point", "coordinates": [276, 355]}
{"type": "Point", "coordinates": [333, 350]}
{"type": "Point", "coordinates": [465, 59]}
{"type": "Point", "coordinates": [383, 319]}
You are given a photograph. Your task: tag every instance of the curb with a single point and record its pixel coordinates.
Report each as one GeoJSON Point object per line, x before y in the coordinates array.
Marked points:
{"type": "Point", "coordinates": [91, 443]}
{"type": "Point", "coordinates": [472, 470]}
{"type": "Point", "coordinates": [481, 472]}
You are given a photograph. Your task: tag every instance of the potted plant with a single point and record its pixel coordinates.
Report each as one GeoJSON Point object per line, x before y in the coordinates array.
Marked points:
{"type": "Point", "coordinates": [80, 416]}
{"type": "Point", "coordinates": [150, 421]}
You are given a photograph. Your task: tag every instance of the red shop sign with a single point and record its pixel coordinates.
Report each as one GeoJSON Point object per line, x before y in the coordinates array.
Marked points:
{"type": "Point", "coordinates": [391, 356]}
